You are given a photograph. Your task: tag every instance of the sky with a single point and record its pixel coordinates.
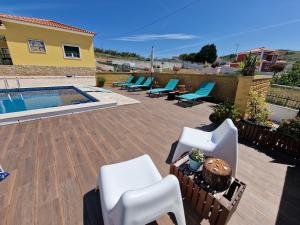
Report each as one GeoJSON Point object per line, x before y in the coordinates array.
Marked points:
{"type": "Point", "coordinates": [174, 27]}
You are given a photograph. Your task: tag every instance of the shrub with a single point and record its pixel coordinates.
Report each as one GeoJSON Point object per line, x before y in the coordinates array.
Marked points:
{"type": "Point", "coordinates": [215, 64]}
{"type": "Point", "coordinates": [100, 81]}
{"type": "Point", "coordinates": [176, 69]}
{"type": "Point", "coordinates": [223, 111]}
{"type": "Point", "coordinates": [290, 127]}
{"type": "Point", "coordinates": [249, 65]}
{"type": "Point", "coordinates": [291, 77]}
{"type": "Point", "coordinates": [276, 68]}
{"type": "Point", "coordinates": [257, 111]}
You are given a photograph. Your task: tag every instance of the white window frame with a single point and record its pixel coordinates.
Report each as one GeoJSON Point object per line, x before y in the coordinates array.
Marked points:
{"type": "Point", "coordinates": [71, 45]}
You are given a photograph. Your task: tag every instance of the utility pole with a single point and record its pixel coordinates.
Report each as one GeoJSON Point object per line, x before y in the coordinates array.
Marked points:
{"type": "Point", "coordinates": [151, 65]}
{"type": "Point", "coordinates": [236, 48]}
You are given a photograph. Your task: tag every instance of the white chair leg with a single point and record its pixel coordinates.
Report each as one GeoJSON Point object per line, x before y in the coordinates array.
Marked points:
{"type": "Point", "coordinates": [179, 215]}
{"type": "Point", "coordinates": [97, 184]}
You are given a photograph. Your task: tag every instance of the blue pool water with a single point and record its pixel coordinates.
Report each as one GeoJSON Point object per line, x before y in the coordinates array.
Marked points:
{"type": "Point", "coordinates": [16, 100]}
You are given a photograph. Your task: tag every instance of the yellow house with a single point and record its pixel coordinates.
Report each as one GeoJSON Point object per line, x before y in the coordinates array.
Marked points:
{"type": "Point", "coordinates": [36, 45]}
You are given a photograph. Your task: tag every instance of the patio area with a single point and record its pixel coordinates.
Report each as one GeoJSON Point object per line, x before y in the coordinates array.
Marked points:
{"type": "Point", "coordinates": [54, 164]}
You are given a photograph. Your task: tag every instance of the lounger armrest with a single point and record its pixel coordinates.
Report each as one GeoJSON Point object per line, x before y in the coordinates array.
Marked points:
{"type": "Point", "coordinates": [147, 202]}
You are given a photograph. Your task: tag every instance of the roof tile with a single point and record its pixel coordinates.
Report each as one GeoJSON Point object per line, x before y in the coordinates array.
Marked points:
{"type": "Point", "coordinates": [44, 22]}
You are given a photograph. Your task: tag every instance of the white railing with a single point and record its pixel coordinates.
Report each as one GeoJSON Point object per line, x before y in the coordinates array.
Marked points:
{"type": "Point", "coordinates": [18, 83]}
{"type": "Point", "coordinates": [5, 83]}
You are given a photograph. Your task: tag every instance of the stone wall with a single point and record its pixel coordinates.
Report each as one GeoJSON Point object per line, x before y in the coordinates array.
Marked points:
{"type": "Point", "coordinates": [261, 84]}
{"type": "Point", "coordinates": [26, 70]}
{"type": "Point", "coordinates": [246, 84]}
{"type": "Point", "coordinates": [110, 77]}
{"type": "Point", "coordinates": [224, 90]}
{"type": "Point", "coordinates": [232, 88]}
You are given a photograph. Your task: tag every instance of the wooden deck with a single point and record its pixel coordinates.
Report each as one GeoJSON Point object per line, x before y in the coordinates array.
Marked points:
{"type": "Point", "coordinates": [54, 163]}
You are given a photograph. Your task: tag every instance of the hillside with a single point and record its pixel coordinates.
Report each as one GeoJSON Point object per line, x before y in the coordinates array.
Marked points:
{"type": "Point", "coordinates": [228, 58]}
{"type": "Point", "coordinates": [291, 56]}
{"type": "Point", "coordinates": [101, 53]}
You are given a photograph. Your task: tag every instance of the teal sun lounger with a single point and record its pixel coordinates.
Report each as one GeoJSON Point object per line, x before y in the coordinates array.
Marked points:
{"type": "Point", "coordinates": [203, 91]}
{"type": "Point", "coordinates": [145, 85]}
{"type": "Point", "coordinates": [137, 82]}
{"type": "Point", "coordinates": [171, 85]}
{"type": "Point", "coordinates": [119, 83]}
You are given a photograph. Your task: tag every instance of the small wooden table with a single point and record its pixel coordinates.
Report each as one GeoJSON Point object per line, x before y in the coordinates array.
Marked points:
{"type": "Point", "coordinates": [173, 94]}
{"type": "Point", "coordinates": [217, 207]}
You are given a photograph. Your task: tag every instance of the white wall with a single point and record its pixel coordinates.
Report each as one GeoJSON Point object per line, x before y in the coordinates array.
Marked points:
{"type": "Point", "coordinates": [190, 65]}
{"type": "Point", "coordinates": [278, 113]}
{"type": "Point", "coordinates": [144, 64]}
{"type": "Point", "coordinates": [227, 70]}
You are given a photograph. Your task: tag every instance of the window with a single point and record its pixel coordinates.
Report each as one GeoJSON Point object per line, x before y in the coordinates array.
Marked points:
{"type": "Point", "coordinates": [71, 51]}
{"type": "Point", "coordinates": [5, 58]}
{"type": "Point", "coordinates": [37, 46]}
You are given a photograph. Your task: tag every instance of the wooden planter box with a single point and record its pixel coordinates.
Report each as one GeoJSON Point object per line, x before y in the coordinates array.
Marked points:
{"type": "Point", "coordinates": [266, 138]}
{"type": "Point", "coordinates": [216, 207]}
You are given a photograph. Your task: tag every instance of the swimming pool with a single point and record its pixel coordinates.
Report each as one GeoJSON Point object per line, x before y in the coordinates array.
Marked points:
{"type": "Point", "coordinates": [24, 99]}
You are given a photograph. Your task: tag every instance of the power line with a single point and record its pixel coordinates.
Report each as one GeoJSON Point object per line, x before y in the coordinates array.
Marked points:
{"type": "Point", "coordinates": [272, 26]}
{"type": "Point", "coordinates": [154, 21]}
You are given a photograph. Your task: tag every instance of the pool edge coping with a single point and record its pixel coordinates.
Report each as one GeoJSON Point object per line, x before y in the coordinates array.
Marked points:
{"type": "Point", "coordinates": [23, 116]}
{"type": "Point", "coordinates": [16, 117]}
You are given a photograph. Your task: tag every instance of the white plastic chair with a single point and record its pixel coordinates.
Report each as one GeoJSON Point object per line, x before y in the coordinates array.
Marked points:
{"type": "Point", "coordinates": [221, 143]}
{"type": "Point", "coordinates": [134, 193]}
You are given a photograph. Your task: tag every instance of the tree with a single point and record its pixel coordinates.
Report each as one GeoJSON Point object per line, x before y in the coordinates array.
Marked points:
{"type": "Point", "coordinates": [183, 56]}
{"type": "Point", "coordinates": [208, 53]}
{"type": "Point", "coordinates": [188, 57]}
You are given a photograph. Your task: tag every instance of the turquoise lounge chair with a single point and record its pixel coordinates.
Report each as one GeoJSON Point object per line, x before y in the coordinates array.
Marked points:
{"type": "Point", "coordinates": [137, 82]}
{"type": "Point", "coordinates": [202, 92]}
{"type": "Point", "coordinates": [146, 84]}
{"type": "Point", "coordinates": [171, 85]}
{"type": "Point", "coordinates": [119, 83]}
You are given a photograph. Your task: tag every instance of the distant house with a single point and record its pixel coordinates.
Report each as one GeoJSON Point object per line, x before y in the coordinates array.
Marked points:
{"type": "Point", "coordinates": [33, 44]}
{"type": "Point", "coordinates": [267, 58]}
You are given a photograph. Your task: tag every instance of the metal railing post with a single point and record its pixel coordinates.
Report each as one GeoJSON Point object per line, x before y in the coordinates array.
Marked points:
{"type": "Point", "coordinates": [18, 83]}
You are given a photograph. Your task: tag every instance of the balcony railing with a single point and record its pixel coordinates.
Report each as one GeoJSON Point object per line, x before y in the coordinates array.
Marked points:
{"type": "Point", "coordinates": [283, 101]}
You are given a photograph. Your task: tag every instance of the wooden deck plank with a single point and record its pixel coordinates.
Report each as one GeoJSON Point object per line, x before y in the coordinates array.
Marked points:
{"type": "Point", "coordinates": [22, 207]}
{"type": "Point", "coordinates": [3, 215]}
{"type": "Point", "coordinates": [54, 164]}
{"type": "Point", "coordinates": [71, 202]}
{"type": "Point", "coordinates": [12, 150]}
{"type": "Point", "coordinates": [49, 214]}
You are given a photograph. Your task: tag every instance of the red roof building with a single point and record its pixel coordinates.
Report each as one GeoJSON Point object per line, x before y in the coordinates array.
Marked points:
{"type": "Point", "coordinates": [267, 58]}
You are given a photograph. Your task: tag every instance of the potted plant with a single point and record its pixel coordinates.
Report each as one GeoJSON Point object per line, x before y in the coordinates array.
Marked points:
{"type": "Point", "coordinates": [196, 159]}
{"type": "Point", "coordinates": [257, 112]}
{"type": "Point", "coordinates": [100, 81]}
{"type": "Point", "coordinates": [249, 65]}
{"type": "Point", "coordinates": [223, 111]}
